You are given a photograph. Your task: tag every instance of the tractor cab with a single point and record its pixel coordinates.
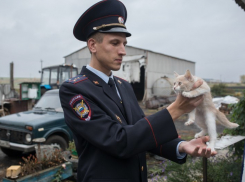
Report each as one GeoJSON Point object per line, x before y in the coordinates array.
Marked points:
{"type": "Point", "coordinates": [53, 76]}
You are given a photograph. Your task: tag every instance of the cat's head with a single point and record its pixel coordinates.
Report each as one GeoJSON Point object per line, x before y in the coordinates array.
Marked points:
{"type": "Point", "coordinates": [183, 82]}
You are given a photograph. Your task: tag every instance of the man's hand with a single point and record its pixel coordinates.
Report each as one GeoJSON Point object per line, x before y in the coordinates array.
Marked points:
{"type": "Point", "coordinates": [197, 147]}
{"type": "Point", "coordinates": [197, 84]}
{"type": "Point", "coordinates": [183, 105]}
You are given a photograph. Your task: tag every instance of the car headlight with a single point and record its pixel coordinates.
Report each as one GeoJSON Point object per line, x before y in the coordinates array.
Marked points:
{"type": "Point", "coordinates": [28, 137]}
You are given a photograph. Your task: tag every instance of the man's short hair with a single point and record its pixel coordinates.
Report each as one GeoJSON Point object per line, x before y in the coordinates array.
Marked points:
{"type": "Point", "coordinates": [97, 36]}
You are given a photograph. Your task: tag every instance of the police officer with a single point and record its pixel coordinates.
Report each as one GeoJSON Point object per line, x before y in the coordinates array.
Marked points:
{"type": "Point", "coordinates": [110, 130]}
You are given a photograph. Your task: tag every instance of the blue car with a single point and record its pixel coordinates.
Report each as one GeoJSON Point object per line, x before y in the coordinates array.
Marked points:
{"type": "Point", "coordinates": [45, 120]}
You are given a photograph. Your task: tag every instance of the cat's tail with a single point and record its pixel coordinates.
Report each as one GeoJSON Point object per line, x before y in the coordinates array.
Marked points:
{"type": "Point", "coordinates": [224, 121]}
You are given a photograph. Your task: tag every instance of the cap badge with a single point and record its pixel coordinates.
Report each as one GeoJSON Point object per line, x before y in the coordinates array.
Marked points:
{"type": "Point", "coordinates": [120, 20]}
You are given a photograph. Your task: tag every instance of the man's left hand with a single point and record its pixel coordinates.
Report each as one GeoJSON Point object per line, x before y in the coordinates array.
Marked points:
{"type": "Point", "coordinates": [197, 147]}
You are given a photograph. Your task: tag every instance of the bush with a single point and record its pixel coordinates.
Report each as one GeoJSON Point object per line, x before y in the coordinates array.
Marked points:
{"type": "Point", "coordinates": [31, 165]}
{"type": "Point", "coordinates": [72, 148]}
{"type": "Point", "coordinates": [224, 168]}
{"type": "Point", "coordinates": [190, 171]}
{"type": "Point", "coordinates": [238, 116]}
{"type": "Point", "coordinates": [221, 90]}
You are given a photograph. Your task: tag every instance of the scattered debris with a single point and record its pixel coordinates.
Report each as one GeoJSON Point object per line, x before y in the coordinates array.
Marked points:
{"type": "Point", "coordinates": [159, 101]}
{"type": "Point", "coordinates": [222, 103]}
{"type": "Point", "coordinates": [225, 100]}
{"type": "Point", "coordinates": [13, 171]}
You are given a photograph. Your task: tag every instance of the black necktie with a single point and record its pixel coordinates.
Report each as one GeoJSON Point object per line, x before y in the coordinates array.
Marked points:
{"type": "Point", "coordinates": [113, 87]}
{"type": "Point", "coordinates": [111, 83]}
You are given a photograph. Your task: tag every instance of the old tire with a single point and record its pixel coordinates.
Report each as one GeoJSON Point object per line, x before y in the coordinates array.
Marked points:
{"type": "Point", "coordinates": [55, 139]}
{"type": "Point", "coordinates": [11, 153]}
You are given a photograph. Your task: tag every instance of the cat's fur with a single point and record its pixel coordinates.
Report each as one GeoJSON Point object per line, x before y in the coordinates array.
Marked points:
{"type": "Point", "coordinates": [205, 115]}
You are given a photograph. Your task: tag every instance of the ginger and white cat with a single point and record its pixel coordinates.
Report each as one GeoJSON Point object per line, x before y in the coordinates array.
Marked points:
{"type": "Point", "coordinates": [205, 115]}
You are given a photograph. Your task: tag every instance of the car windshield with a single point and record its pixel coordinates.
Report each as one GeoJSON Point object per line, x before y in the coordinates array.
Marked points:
{"type": "Point", "coordinates": [49, 101]}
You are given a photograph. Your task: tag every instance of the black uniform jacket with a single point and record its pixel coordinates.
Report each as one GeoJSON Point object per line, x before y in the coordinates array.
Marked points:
{"type": "Point", "coordinates": [111, 145]}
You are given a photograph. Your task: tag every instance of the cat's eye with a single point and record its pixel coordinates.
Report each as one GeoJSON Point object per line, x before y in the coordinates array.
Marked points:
{"type": "Point", "coordinates": [180, 83]}
{"type": "Point", "coordinates": [174, 83]}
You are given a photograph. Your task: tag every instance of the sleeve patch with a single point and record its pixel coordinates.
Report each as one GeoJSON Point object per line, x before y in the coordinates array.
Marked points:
{"type": "Point", "coordinates": [80, 107]}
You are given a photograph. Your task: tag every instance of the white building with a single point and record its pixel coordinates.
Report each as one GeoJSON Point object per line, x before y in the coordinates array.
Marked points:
{"type": "Point", "coordinates": [150, 73]}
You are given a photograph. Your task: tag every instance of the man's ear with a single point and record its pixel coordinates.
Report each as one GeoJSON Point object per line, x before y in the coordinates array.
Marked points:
{"type": "Point", "coordinates": [91, 43]}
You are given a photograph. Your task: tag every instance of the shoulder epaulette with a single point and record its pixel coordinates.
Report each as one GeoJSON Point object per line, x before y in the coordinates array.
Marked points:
{"type": "Point", "coordinates": [77, 79]}
{"type": "Point", "coordinates": [120, 78]}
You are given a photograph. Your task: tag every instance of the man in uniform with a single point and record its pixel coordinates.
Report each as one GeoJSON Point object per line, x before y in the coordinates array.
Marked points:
{"type": "Point", "coordinates": [110, 130]}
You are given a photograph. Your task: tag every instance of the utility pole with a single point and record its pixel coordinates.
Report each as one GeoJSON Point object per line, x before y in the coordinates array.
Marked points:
{"type": "Point", "coordinates": [12, 76]}
{"type": "Point", "coordinates": [41, 64]}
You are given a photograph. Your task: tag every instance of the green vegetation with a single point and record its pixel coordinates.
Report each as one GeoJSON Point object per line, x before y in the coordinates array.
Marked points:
{"type": "Point", "coordinates": [220, 168]}
{"type": "Point", "coordinates": [238, 116]}
{"type": "Point", "coordinates": [225, 168]}
{"type": "Point", "coordinates": [72, 148]}
{"type": "Point", "coordinates": [221, 90]}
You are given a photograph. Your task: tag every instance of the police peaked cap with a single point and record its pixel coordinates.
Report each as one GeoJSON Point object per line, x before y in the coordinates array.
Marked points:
{"type": "Point", "coordinates": [105, 16]}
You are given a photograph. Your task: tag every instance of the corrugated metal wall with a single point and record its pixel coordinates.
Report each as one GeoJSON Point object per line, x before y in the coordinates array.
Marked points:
{"type": "Point", "coordinates": [80, 58]}
{"type": "Point", "coordinates": [157, 65]}
{"type": "Point", "coordinates": [131, 51]}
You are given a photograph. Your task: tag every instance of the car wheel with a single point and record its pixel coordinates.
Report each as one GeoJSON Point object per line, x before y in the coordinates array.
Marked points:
{"type": "Point", "coordinates": [11, 153]}
{"type": "Point", "coordinates": [57, 140]}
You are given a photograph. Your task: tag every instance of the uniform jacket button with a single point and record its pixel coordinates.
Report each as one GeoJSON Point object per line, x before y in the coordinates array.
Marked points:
{"type": "Point", "coordinates": [142, 168]}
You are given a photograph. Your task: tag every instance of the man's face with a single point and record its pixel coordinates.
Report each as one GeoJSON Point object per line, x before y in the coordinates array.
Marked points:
{"type": "Point", "coordinates": [110, 51]}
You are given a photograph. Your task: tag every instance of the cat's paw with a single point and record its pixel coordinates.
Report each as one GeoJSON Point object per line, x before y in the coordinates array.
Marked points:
{"type": "Point", "coordinates": [198, 135]}
{"type": "Point", "coordinates": [189, 122]}
{"type": "Point", "coordinates": [211, 146]}
{"type": "Point", "coordinates": [187, 94]}
{"type": "Point", "coordinates": [212, 149]}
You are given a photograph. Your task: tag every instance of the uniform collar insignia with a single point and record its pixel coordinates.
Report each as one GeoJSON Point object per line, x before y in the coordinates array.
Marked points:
{"type": "Point", "coordinates": [96, 82]}
{"type": "Point", "coordinates": [119, 81]}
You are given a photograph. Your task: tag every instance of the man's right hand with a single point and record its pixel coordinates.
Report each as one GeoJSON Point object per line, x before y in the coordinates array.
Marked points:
{"type": "Point", "coordinates": [183, 105]}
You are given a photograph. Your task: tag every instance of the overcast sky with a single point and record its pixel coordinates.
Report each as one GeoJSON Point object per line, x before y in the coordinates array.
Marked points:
{"type": "Point", "coordinates": [210, 33]}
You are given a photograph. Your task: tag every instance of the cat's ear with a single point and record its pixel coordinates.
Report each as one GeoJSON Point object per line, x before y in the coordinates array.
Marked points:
{"type": "Point", "coordinates": [188, 75]}
{"type": "Point", "coordinates": [176, 74]}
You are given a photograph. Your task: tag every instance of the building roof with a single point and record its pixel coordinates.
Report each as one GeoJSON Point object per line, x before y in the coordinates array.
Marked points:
{"type": "Point", "coordinates": [159, 53]}
{"type": "Point", "coordinates": [137, 48]}
{"type": "Point", "coordinates": [241, 3]}
{"type": "Point", "coordinates": [75, 51]}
